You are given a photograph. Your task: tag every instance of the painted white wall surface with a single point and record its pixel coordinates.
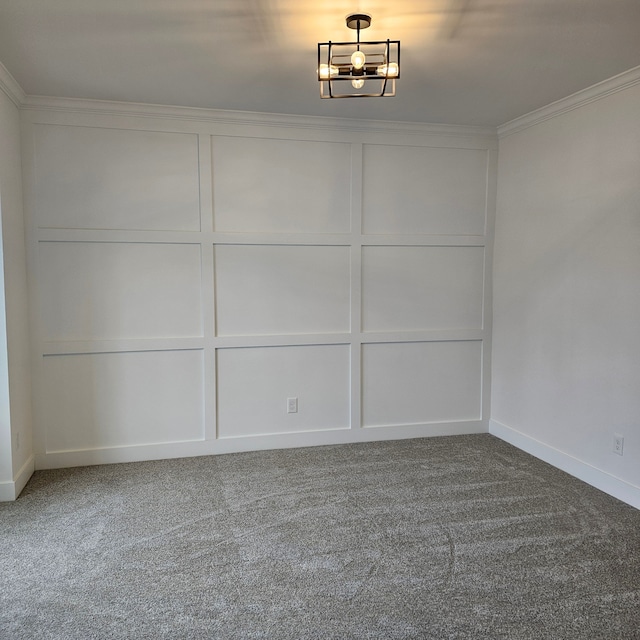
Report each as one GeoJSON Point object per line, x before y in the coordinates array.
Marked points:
{"type": "Point", "coordinates": [191, 275]}
{"type": "Point", "coordinates": [566, 314]}
{"type": "Point", "coordinates": [6, 453]}
{"type": "Point", "coordinates": [16, 462]}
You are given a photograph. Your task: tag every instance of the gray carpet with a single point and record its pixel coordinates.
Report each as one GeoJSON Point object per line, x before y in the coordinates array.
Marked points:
{"type": "Point", "coordinates": [455, 537]}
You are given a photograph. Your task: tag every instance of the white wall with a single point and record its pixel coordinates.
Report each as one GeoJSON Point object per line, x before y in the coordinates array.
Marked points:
{"type": "Point", "coordinates": [16, 461]}
{"type": "Point", "coordinates": [566, 332]}
{"type": "Point", "coordinates": [191, 271]}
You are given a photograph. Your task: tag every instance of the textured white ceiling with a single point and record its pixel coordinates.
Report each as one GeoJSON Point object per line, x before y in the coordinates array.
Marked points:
{"type": "Point", "coordinates": [481, 62]}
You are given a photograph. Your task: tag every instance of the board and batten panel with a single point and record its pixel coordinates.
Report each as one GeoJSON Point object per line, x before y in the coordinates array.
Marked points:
{"type": "Point", "coordinates": [110, 291]}
{"type": "Point", "coordinates": [151, 328]}
{"type": "Point", "coordinates": [264, 185]}
{"type": "Point", "coordinates": [421, 382]}
{"type": "Point", "coordinates": [276, 289]}
{"type": "Point", "coordinates": [94, 178]}
{"type": "Point", "coordinates": [255, 383]}
{"type": "Point", "coordinates": [424, 190]}
{"type": "Point", "coordinates": [99, 400]}
{"type": "Point", "coordinates": [422, 288]}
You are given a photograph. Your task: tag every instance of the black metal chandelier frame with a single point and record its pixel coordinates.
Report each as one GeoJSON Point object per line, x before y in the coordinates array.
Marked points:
{"type": "Point", "coordinates": [381, 66]}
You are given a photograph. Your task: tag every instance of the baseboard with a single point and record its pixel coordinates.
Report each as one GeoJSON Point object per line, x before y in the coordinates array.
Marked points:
{"type": "Point", "coordinates": [591, 475]}
{"type": "Point", "coordinates": [9, 491]}
{"type": "Point", "coordinates": [111, 455]}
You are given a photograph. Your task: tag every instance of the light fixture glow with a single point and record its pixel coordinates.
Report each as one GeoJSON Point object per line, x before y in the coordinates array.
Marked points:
{"type": "Point", "coordinates": [358, 59]}
{"type": "Point", "coordinates": [326, 71]}
{"type": "Point", "coordinates": [376, 62]}
{"type": "Point", "coordinates": [390, 70]}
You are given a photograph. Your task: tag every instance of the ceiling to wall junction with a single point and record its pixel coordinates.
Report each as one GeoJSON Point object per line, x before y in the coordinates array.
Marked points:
{"type": "Point", "coordinates": [479, 62]}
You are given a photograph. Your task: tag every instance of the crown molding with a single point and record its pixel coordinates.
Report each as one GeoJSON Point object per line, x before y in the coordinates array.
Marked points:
{"type": "Point", "coordinates": [576, 100]}
{"type": "Point", "coordinates": [10, 86]}
{"type": "Point", "coordinates": [220, 116]}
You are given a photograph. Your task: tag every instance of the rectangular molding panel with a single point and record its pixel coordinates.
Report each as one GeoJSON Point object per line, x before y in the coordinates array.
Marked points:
{"type": "Point", "coordinates": [255, 383]}
{"type": "Point", "coordinates": [193, 280]}
{"type": "Point", "coordinates": [282, 289]}
{"type": "Point", "coordinates": [91, 178]}
{"type": "Point", "coordinates": [99, 400]}
{"type": "Point", "coordinates": [421, 382]}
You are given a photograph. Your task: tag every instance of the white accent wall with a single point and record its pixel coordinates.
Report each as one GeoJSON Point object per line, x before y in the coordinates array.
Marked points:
{"type": "Point", "coordinates": [16, 460]}
{"type": "Point", "coordinates": [191, 271]}
{"type": "Point", "coordinates": [566, 332]}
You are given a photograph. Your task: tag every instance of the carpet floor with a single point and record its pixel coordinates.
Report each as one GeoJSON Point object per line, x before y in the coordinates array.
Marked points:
{"type": "Point", "coordinates": [451, 537]}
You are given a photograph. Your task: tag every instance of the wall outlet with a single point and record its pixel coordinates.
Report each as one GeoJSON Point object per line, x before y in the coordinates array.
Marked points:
{"type": "Point", "coordinates": [618, 444]}
{"type": "Point", "coordinates": [292, 405]}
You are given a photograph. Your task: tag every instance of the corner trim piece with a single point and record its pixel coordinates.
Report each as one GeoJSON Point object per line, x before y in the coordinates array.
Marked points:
{"type": "Point", "coordinates": [10, 86]}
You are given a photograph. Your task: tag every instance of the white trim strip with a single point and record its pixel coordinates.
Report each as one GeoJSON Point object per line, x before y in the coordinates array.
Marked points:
{"type": "Point", "coordinates": [583, 471]}
{"type": "Point", "coordinates": [9, 491]}
{"type": "Point", "coordinates": [106, 107]}
{"type": "Point", "coordinates": [576, 100]}
{"type": "Point", "coordinates": [10, 86]}
{"type": "Point", "coordinates": [322, 437]}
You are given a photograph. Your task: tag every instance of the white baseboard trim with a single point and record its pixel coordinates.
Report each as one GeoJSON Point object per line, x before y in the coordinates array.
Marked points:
{"type": "Point", "coordinates": [597, 478]}
{"type": "Point", "coordinates": [9, 491]}
{"type": "Point", "coordinates": [111, 455]}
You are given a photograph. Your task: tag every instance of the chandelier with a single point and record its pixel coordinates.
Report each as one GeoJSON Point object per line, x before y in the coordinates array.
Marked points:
{"type": "Point", "coordinates": [358, 69]}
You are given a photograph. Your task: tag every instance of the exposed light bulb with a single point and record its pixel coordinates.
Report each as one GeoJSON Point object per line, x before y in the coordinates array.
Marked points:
{"type": "Point", "coordinates": [357, 59]}
{"type": "Point", "coordinates": [327, 71]}
{"type": "Point", "coordinates": [358, 83]}
{"type": "Point", "coordinates": [390, 70]}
